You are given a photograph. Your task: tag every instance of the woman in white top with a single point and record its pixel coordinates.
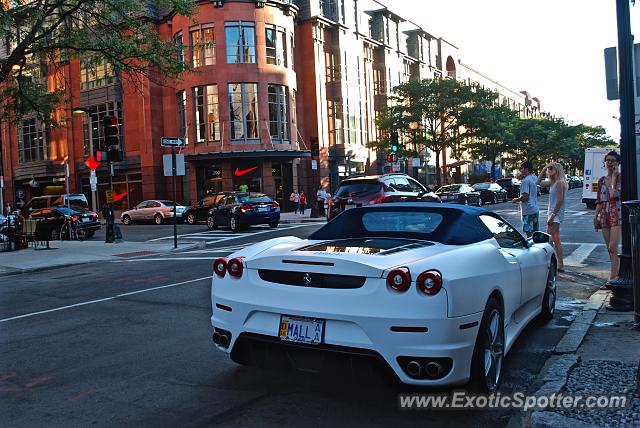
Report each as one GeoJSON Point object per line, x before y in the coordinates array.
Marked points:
{"type": "Point", "coordinates": [557, 201]}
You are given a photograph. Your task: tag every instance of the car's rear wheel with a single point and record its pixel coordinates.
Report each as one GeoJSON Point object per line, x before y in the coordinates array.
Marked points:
{"type": "Point", "coordinates": [488, 354]}
{"type": "Point", "coordinates": [273, 225]}
{"type": "Point", "coordinates": [494, 200]}
{"type": "Point", "coordinates": [55, 234]}
{"type": "Point", "coordinates": [126, 220]}
{"type": "Point", "coordinates": [550, 292]}
{"type": "Point", "coordinates": [191, 218]}
{"type": "Point", "coordinates": [157, 219]}
{"type": "Point", "coordinates": [479, 201]}
{"type": "Point", "coordinates": [211, 224]}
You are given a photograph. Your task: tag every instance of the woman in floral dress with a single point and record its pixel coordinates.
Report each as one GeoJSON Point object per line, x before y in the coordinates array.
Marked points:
{"type": "Point", "coordinates": [608, 216]}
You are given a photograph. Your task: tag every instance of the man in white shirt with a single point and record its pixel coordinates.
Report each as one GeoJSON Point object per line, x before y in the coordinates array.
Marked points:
{"type": "Point", "coordinates": [528, 199]}
{"type": "Point", "coordinates": [321, 195]}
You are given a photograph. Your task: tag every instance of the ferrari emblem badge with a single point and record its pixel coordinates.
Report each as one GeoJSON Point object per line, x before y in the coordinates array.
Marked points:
{"type": "Point", "coordinates": [306, 279]}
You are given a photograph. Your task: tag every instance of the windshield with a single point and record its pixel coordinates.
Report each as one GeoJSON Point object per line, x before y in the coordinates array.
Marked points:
{"type": "Point", "coordinates": [355, 188]}
{"type": "Point", "coordinates": [167, 203]}
{"type": "Point", "coordinates": [452, 188]}
{"type": "Point", "coordinates": [481, 186]}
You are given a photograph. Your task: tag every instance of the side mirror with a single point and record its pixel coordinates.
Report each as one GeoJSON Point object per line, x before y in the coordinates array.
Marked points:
{"type": "Point", "coordinates": [540, 237]}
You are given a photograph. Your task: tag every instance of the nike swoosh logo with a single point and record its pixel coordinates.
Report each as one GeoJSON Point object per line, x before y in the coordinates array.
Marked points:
{"type": "Point", "coordinates": [118, 196]}
{"type": "Point", "coordinates": [240, 173]}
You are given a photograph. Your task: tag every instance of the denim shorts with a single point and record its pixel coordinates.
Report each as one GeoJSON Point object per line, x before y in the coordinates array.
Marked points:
{"type": "Point", "coordinates": [530, 223]}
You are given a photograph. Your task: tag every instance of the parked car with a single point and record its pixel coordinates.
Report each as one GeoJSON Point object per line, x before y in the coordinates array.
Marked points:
{"type": "Point", "coordinates": [153, 210]}
{"type": "Point", "coordinates": [377, 189]}
{"type": "Point", "coordinates": [438, 293]}
{"type": "Point", "coordinates": [76, 202]}
{"type": "Point", "coordinates": [575, 182]}
{"type": "Point", "coordinates": [511, 185]}
{"type": "Point", "coordinates": [459, 194]}
{"type": "Point", "coordinates": [239, 210]}
{"type": "Point", "coordinates": [491, 192]}
{"type": "Point", "coordinates": [80, 224]}
{"type": "Point", "coordinates": [199, 211]}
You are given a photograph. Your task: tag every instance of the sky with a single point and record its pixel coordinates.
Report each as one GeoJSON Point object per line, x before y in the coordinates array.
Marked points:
{"type": "Point", "coordinates": [554, 49]}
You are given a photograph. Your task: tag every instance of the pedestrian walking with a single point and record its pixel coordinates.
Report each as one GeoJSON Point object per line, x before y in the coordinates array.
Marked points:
{"type": "Point", "coordinates": [608, 216]}
{"type": "Point", "coordinates": [320, 197]}
{"type": "Point", "coordinates": [557, 202]}
{"type": "Point", "coordinates": [7, 209]}
{"type": "Point", "coordinates": [302, 202]}
{"type": "Point", "coordinates": [295, 199]}
{"type": "Point", "coordinates": [528, 199]}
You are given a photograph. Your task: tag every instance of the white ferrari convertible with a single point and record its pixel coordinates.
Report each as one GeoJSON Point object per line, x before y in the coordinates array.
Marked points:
{"type": "Point", "coordinates": [438, 293]}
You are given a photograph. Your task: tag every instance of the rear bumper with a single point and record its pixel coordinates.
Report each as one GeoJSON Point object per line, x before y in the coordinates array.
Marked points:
{"type": "Point", "coordinates": [348, 330]}
{"type": "Point", "coordinates": [91, 227]}
{"type": "Point", "coordinates": [259, 219]}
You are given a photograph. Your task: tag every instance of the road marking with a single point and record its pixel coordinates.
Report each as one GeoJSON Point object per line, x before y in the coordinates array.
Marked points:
{"type": "Point", "coordinates": [90, 302]}
{"type": "Point", "coordinates": [225, 236]}
{"type": "Point", "coordinates": [579, 254]}
{"type": "Point", "coordinates": [581, 243]}
{"type": "Point", "coordinates": [168, 259]}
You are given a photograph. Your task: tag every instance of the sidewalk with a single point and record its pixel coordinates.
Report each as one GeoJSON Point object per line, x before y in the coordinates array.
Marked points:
{"type": "Point", "coordinates": [599, 355]}
{"type": "Point", "coordinates": [290, 217]}
{"type": "Point", "coordinates": [67, 253]}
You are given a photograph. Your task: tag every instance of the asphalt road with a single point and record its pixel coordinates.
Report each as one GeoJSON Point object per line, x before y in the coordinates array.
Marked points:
{"type": "Point", "coordinates": [128, 343]}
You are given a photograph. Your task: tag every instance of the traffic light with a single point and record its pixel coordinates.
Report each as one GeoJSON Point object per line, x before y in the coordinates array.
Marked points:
{"type": "Point", "coordinates": [111, 139]}
{"type": "Point", "coordinates": [394, 141]}
{"type": "Point", "coordinates": [392, 157]}
{"type": "Point", "coordinates": [110, 127]}
{"type": "Point", "coordinates": [100, 156]}
{"type": "Point", "coordinates": [315, 146]}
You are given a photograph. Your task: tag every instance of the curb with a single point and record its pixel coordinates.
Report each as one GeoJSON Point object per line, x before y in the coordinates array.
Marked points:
{"type": "Point", "coordinates": [304, 220]}
{"type": "Point", "coordinates": [555, 372]}
{"type": "Point", "coordinates": [7, 271]}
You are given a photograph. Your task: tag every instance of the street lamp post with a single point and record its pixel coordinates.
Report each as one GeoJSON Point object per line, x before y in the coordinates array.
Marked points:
{"type": "Point", "coordinates": [621, 286]}
{"type": "Point", "coordinates": [79, 111]}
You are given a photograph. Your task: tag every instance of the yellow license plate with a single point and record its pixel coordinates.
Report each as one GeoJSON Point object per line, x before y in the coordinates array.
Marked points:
{"type": "Point", "coordinates": [594, 187]}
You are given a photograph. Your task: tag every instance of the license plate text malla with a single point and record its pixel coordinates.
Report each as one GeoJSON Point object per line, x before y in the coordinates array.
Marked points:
{"type": "Point", "coordinates": [301, 329]}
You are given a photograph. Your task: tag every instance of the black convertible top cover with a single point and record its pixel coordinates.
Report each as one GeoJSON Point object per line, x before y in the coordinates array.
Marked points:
{"type": "Point", "coordinates": [460, 225]}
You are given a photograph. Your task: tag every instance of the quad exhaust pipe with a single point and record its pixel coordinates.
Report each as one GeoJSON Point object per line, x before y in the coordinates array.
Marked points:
{"type": "Point", "coordinates": [433, 369]}
{"type": "Point", "coordinates": [424, 368]}
{"type": "Point", "coordinates": [413, 368]}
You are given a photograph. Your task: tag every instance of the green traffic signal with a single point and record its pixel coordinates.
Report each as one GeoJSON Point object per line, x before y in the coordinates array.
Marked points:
{"type": "Point", "coordinates": [394, 148]}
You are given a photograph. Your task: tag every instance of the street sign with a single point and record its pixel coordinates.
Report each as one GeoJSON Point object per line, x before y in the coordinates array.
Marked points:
{"type": "Point", "coordinates": [395, 167]}
{"type": "Point", "coordinates": [172, 142]}
{"type": "Point", "coordinates": [109, 196]}
{"type": "Point", "coordinates": [93, 181]}
{"type": "Point", "coordinates": [314, 164]}
{"type": "Point", "coordinates": [168, 167]}
{"type": "Point", "coordinates": [415, 162]}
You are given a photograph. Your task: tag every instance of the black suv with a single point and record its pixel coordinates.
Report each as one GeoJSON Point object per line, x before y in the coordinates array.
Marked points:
{"type": "Point", "coordinates": [511, 185]}
{"type": "Point", "coordinates": [198, 211]}
{"type": "Point", "coordinates": [378, 189]}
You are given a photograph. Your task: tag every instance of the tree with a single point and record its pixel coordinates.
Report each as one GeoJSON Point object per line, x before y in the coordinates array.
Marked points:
{"type": "Point", "coordinates": [434, 103]}
{"type": "Point", "coordinates": [488, 127]}
{"type": "Point", "coordinates": [40, 35]}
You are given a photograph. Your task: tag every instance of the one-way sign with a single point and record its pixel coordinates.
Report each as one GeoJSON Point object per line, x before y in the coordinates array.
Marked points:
{"type": "Point", "coordinates": [172, 142]}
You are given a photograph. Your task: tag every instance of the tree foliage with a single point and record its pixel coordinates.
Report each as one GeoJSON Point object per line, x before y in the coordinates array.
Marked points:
{"type": "Point", "coordinates": [42, 35]}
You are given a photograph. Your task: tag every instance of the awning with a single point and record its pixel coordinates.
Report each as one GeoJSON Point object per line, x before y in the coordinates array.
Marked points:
{"type": "Point", "coordinates": [240, 154]}
{"type": "Point", "coordinates": [457, 163]}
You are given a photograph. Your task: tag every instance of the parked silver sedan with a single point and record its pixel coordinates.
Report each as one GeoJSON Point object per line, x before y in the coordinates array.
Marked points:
{"type": "Point", "coordinates": [154, 210]}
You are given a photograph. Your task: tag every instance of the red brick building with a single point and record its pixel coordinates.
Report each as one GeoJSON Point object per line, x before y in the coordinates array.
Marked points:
{"type": "Point", "coordinates": [274, 82]}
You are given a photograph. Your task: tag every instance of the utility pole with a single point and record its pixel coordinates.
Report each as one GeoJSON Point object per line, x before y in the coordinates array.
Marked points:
{"type": "Point", "coordinates": [621, 287]}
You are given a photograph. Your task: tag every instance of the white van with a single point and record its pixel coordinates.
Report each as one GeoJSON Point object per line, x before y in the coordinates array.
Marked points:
{"type": "Point", "coordinates": [594, 168]}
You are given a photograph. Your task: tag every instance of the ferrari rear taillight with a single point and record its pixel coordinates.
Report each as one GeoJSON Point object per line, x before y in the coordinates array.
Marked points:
{"type": "Point", "coordinates": [234, 267]}
{"type": "Point", "coordinates": [380, 200]}
{"type": "Point", "coordinates": [399, 279]}
{"type": "Point", "coordinates": [220, 266]}
{"type": "Point", "coordinates": [429, 282]}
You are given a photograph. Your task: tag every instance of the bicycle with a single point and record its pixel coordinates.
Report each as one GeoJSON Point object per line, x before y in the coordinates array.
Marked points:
{"type": "Point", "coordinates": [70, 230]}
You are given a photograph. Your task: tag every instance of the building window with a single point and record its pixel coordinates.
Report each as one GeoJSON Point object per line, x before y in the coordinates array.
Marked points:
{"type": "Point", "coordinates": [95, 72]}
{"type": "Point", "coordinates": [278, 112]}
{"type": "Point", "coordinates": [32, 141]}
{"type": "Point", "coordinates": [179, 42]}
{"type": "Point", "coordinates": [276, 42]}
{"type": "Point", "coordinates": [241, 42]}
{"type": "Point", "coordinates": [203, 46]}
{"type": "Point", "coordinates": [181, 100]}
{"type": "Point", "coordinates": [213, 116]}
{"type": "Point", "coordinates": [243, 108]}
{"type": "Point", "coordinates": [92, 124]}
{"type": "Point", "coordinates": [199, 124]}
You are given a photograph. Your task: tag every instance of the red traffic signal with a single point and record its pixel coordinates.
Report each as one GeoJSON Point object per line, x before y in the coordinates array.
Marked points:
{"type": "Point", "coordinates": [392, 157]}
{"type": "Point", "coordinates": [100, 156]}
{"type": "Point", "coordinates": [110, 125]}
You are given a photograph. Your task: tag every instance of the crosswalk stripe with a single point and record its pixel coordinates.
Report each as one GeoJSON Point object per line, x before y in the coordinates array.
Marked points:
{"type": "Point", "coordinates": [579, 255]}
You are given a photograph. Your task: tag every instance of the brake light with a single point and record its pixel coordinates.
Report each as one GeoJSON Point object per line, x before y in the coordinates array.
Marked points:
{"type": "Point", "coordinates": [380, 200]}
{"type": "Point", "coordinates": [246, 208]}
{"type": "Point", "coordinates": [399, 279]}
{"type": "Point", "coordinates": [74, 218]}
{"type": "Point", "coordinates": [429, 282]}
{"type": "Point", "coordinates": [94, 216]}
{"type": "Point", "coordinates": [275, 206]}
{"type": "Point", "coordinates": [235, 267]}
{"type": "Point", "coordinates": [220, 266]}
